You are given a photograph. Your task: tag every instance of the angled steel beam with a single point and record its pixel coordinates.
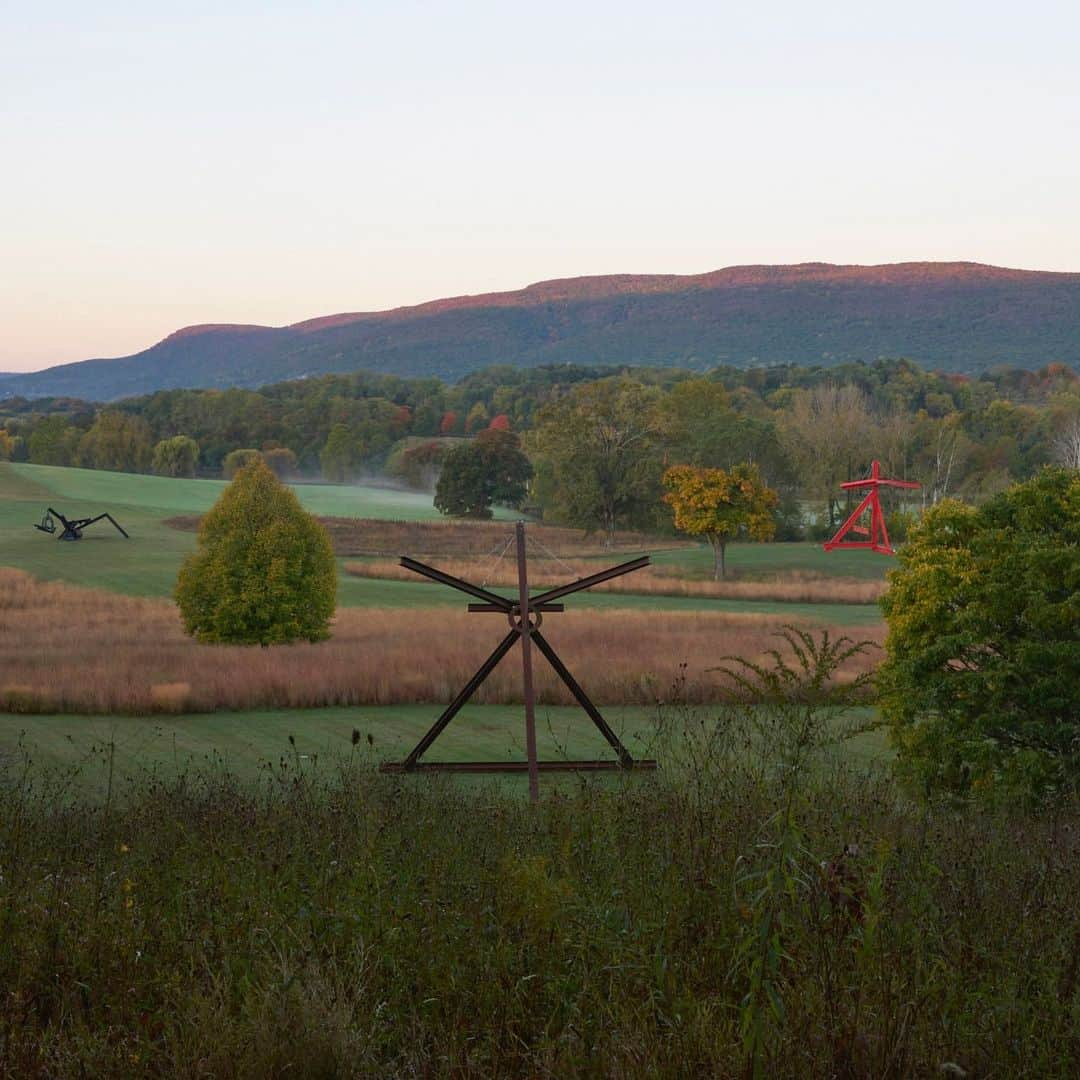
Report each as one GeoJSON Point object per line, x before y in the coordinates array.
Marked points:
{"type": "Point", "coordinates": [466, 692]}
{"type": "Point", "coordinates": [588, 582]}
{"type": "Point", "coordinates": [110, 518]}
{"type": "Point", "coordinates": [456, 583]}
{"type": "Point", "coordinates": [526, 632]}
{"type": "Point", "coordinates": [583, 699]}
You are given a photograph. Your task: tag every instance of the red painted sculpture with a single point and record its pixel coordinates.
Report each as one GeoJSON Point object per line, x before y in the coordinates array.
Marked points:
{"type": "Point", "coordinates": [877, 537]}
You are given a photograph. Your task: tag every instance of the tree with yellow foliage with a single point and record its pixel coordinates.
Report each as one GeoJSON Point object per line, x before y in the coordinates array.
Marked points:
{"type": "Point", "coordinates": [720, 505]}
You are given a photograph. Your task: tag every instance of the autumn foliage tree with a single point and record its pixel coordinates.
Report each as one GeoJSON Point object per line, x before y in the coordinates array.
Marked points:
{"type": "Point", "coordinates": [264, 571]}
{"type": "Point", "coordinates": [720, 505]}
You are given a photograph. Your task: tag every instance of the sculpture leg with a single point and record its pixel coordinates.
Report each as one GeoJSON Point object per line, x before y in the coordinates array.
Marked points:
{"type": "Point", "coordinates": [467, 692]}
{"type": "Point", "coordinates": [583, 699]}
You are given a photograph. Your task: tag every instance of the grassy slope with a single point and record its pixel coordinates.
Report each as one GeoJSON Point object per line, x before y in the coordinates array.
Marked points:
{"type": "Point", "coordinates": [246, 742]}
{"type": "Point", "coordinates": [147, 565]}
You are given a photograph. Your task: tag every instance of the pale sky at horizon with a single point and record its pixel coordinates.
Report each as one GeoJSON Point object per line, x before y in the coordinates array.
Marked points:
{"type": "Point", "coordinates": [163, 164]}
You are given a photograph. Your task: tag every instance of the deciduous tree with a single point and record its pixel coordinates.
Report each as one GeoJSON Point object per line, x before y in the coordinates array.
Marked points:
{"type": "Point", "coordinates": [824, 434]}
{"type": "Point", "coordinates": [477, 474]}
{"type": "Point", "coordinates": [981, 684]}
{"type": "Point", "coordinates": [264, 572]}
{"type": "Point", "coordinates": [54, 441]}
{"type": "Point", "coordinates": [338, 455]}
{"type": "Point", "coordinates": [178, 456]}
{"type": "Point", "coordinates": [600, 455]}
{"type": "Point", "coordinates": [719, 505]}
{"type": "Point", "coordinates": [117, 442]}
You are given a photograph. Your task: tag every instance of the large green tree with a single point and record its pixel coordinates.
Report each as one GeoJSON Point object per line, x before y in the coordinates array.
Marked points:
{"type": "Point", "coordinates": [599, 453]}
{"type": "Point", "coordinates": [981, 684]}
{"type": "Point", "coordinates": [264, 571]}
{"type": "Point", "coordinates": [117, 442]}
{"type": "Point", "coordinates": [54, 441]}
{"type": "Point", "coordinates": [339, 454]}
{"type": "Point", "coordinates": [490, 469]}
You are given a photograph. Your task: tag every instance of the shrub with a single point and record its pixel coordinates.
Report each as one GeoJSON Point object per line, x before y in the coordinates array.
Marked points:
{"type": "Point", "coordinates": [264, 572]}
{"type": "Point", "coordinates": [981, 684]}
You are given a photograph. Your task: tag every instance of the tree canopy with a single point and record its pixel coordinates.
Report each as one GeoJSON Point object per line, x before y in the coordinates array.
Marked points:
{"type": "Point", "coordinates": [598, 451]}
{"type": "Point", "coordinates": [484, 471]}
{"type": "Point", "coordinates": [178, 456]}
{"type": "Point", "coordinates": [719, 505]}
{"type": "Point", "coordinates": [981, 684]}
{"type": "Point", "coordinates": [264, 571]}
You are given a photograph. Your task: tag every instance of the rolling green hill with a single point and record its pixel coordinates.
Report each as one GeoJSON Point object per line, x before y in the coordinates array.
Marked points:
{"type": "Point", "coordinates": [951, 316]}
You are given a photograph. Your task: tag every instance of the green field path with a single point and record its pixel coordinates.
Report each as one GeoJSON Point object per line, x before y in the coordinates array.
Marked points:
{"type": "Point", "coordinates": [147, 564]}
{"type": "Point", "coordinates": [249, 742]}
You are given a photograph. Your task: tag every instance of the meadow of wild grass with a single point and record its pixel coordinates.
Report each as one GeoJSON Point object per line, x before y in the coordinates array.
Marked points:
{"type": "Point", "coordinates": [738, 914]}
{"type": "Point", "coordinates": [130, 655]}
{"type": "Point", "coordinates": [791, 587]}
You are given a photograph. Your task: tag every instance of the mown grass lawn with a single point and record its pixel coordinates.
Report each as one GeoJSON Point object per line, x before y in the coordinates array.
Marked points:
{"type": "Point", "coordinates": [147, 564]}
{"type": "Point", "coordinates": [246, 742]}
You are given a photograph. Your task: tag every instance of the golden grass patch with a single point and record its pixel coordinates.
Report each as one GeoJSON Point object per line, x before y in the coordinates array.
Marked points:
{"type": "Point", "coordinates": [65, 648]}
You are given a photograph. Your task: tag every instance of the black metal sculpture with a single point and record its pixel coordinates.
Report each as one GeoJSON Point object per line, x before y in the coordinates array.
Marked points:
{"type": "Point", "coordinates": [73, 527]}
{"type": "Point", "coordinates": [525, 615]}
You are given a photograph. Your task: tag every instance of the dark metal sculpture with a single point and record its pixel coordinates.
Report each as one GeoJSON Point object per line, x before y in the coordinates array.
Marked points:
{"type": "Point", "coordinates": [73, 527]}
{"type": "Point", "coordinates": [525, 615]}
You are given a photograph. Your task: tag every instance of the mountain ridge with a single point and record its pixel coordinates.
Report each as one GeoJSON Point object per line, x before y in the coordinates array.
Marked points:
{"type": "Point", "coordinates": [961, 316]}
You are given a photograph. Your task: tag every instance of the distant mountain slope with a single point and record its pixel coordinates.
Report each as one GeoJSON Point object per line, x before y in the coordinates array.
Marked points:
{"type": "Point", "coordinates": [952, 316]}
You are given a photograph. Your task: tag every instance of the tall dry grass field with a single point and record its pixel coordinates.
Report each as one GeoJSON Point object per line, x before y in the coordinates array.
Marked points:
{"type": "Point", "coordinates": [792, 587]}
{"type": "Point", "coordinates": [69, 649]}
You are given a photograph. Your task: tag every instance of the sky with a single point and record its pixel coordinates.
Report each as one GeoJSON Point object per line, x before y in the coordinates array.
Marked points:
{"type": "Point", "coordinates": [164, 164]}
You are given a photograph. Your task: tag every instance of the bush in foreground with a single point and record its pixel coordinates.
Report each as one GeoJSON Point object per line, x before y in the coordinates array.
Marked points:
{"type": "Point", "coordinates": [264, 572]}
{"type": "Point", "coordinates": [982, 679]}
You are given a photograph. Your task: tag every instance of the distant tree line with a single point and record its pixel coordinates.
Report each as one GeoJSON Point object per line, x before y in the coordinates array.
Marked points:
{"type": "Point", "coordinates": [598, 440]}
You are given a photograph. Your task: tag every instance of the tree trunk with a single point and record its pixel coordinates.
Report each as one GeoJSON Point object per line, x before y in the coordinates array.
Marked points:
{"type": "Point", "coordinates": [719, 569]}
{"type": "Point", "coordinates": [609, 526]}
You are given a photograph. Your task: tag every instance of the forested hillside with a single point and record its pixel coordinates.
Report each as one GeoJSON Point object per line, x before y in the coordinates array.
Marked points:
{"type": "Point", "coordinates": [961, 317]}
